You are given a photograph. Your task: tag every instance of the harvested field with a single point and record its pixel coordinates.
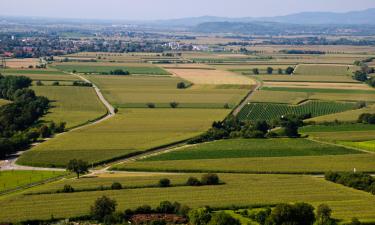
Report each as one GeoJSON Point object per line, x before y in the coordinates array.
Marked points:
{"type": "Point", "coordinates": [323, 70]}
{"type": "Point", "coordinates": [214, 77]}
{"type": "Point", "coordinates": [43, 75]}
{"type": "Point", "coordinates": [22, 63]}
{"type": "Point", "coordinates": [348, 116]}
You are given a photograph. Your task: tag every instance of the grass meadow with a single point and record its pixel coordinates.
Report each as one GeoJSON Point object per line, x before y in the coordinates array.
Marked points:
{"type": "Point", "coordinates": [240, 189]}
{"type": "Point", "coordinates": [73, 105]}
{"type": "Point", "coordinates": [13, 179]}
{"type": "Point", "coordinates": [249, 148]}
{"type": "Point", "coordinates": [130, 131]}
{"type": "Point", "coordinates": [40, 74]}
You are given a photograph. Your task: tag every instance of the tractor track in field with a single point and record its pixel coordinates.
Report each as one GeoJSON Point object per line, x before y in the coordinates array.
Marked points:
{"type": "Point", "coordinates": [10, 164]}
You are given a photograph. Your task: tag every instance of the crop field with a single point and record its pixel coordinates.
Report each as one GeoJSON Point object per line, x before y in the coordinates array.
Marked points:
{"type": "Point", "coordinates": [240, 189]}
{"type": "Point", "coordinates": [319, 85]}
{"type": "Point", "coordinates": [213, 77]}
{"type": "Point", "coordinates": [137, 91]}
{"type": "Point", "coordinates": [293, 165]}
{"type": "Point", "coordinates": [337, 128]}
{"type": "Point", "coordinates": [366, 145]}
{"type": "Point", "coordinates": [305, 78]}
{"type": "Point", "coordinates": [3, 102]}
{"type": "Point", "coordinates": [130, 131]}
{"type": "Point", "coordinates": [13, 179]}
{"type": "Point", "coordinates": [269, 111]}
{"type": "Point", "coordinates": [98, 68]}
{"type": "Point", "coordinates": [73, 105]}
{"type": "Point", "coordinates": [22, 63]}
{"type": "Point", "coordinates": [248, 148]}
{"type": "Point", "coordinates": [40, 74]}
{"type": "Point", "coordinates": [323, 70]}
{"type": "Point", "coordinates": [347, 116]}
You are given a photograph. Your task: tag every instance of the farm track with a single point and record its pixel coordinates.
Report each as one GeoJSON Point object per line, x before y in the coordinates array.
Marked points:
{"type": "Point", "coordinates": [10, 164]}
{"type": "Point", "coordinates": [247, 98]}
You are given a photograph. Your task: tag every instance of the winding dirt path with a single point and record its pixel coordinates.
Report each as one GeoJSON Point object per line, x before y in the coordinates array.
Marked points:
{"type": "Point", "coordinates": [10, 164]}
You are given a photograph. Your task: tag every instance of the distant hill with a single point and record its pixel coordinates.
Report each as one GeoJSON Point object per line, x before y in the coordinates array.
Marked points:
{"type": "Point", "coordinates": [305, 18]}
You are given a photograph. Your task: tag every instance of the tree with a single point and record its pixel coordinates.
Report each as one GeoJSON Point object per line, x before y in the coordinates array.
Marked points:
{"type": "Point", "coordinates": [45, 132]}
{"type": "Point", "coordinates": [174, 104]}
{"type": "Point", "coordinates": [355, 221]}
{"type": "Point", "coordinates": [103, 207]}
{"type": "Point", "coordinates": [200, 216]}
{"type": "Point", "coordinates": [116, 186]}
{"type": "Point", "coordinates": [68, 189]}
{"type": "Point", "coordinates": [193, 181]}
{"type": "Point", "coordinates": [360, 76]}
{"type": "Point", "coordinates": [56, 83]}
{"type": "Point", "coordinates": [280, 71]}
{"type": "Point", "coordinates": [300, 213]}
{"type": "Point", "coordinates": [304, 213]}
{"type": "Point", "coordinates": [78, 167]}
{"type": "Point", "coordinates": [289, 70]}
{"type": "Point", "coordinates": [255, 71]}
{"type": "Point", "coordinates": [210, 179]}
{"type": "Point", "coordinates": [291, 123]}
{"type": "Point", "coordinates": [164, 182]}
{"type": "Point", "coordinates": [151, 105]}
{"type": "Point", "coordinates": [223, 218]}
{"type": "Point", "coordinates": [181, 85]}
{"type": "Point", "coordinates": [323, 215]}
{"type": "Point", "coordinates": [39, 83]}
{"type": "Point", "coordinates": [166, 207]}
{"type": "Point", "coordinates": [269, 70]}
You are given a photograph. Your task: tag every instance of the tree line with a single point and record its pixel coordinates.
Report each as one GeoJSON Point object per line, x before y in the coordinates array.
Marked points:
{"type": "Point", "coordinates": [232, 127]}
{"type": "Point", "coordinates": [19, 119]}
{"type": "Point", "coordinates": [270, 70]}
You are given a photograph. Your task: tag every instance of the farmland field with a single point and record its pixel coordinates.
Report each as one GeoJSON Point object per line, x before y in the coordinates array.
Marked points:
{"type": "Point", "coordinates": [130, 131]}
{"type": "Point", "coordinates": [319, 85]}
{"type": "Point", "coordinates": [3, 102]}
{"type": "Point", "coordinates": [248, 148]}
{"type": "Point", "coordinates": [295, 164]}
{"type": "Point", "coordinates": [213, 77]}
{"type": "Point", "coordinates": [137, 91]}
{"type": "Point", "coordinates": [239, 189]}
{"type": "Point", "coordinates": [12, 179]}
{"type": "Point", "coordinates": [323, 70]}
{"type": "Point", "coordinates": [98, 68]}
{"type": "Point", "coordinates": [73, 105]}
{"type": "Point", "coordinates": [306, 78]}
{"type": "Point", "coordinates": [347, 116]}
{"type": "Point", "coordinates": [268, 111]}
{"type": "Point", "coordinates": [366, 145]}
{"type": "Point", "coordinates": [40, 74]}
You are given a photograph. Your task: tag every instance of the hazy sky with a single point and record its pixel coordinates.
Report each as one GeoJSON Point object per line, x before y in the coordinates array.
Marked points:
{"type": "Point", "coordinates": [165, 9]}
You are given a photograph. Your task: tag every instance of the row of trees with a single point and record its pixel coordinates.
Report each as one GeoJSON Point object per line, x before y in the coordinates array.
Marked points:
{"type": "Point", "coordinates": [281, 214]}
{"type": "Point", "coordinates": [232, 127]}
{"type": "Point", "coordinates": [358, 181]}
{"type": "Point", "coordinates": [271, 70]}
{"type": "Point", "coordinates": [18, 119]}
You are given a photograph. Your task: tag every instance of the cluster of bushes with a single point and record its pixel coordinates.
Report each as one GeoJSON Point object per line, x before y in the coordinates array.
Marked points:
{"type": "Point", "coordinates": [234, 128]}
{"type": "Point", "coordinates": [270, 71]}
{"type": "Point", "coordinates": [173, 105]}
{"type": "Point", "coordinates": [299, 213]}
{"type": "Point", "coordinates": [82, 84]}
{"type": "Point", "coordinates": [302, 52]}
{"type": "Point", "coordinates": [367, 118]}
{"type": "Point", "coordinates": [119, 72]}
{"type": "Point", "coordinates": [363, 75]}
{"type": "Point", "coordinates": [358, 181]}
{"type": "Point", "coordinates": [104, 210]}
{"type": "Point", "coordinates": [17, 117]}
{"type": "Point", "coordinates": [207, 179]}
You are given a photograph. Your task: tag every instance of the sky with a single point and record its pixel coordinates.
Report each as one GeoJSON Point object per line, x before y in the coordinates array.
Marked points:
{"type": "Point", "coordinates": [167, 9]}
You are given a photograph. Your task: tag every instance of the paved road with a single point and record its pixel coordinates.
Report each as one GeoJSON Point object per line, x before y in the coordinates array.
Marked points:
{"type": "Point", "coordinates": [10, 164]}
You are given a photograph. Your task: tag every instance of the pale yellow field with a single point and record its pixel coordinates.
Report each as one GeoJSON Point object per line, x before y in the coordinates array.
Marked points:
{"type": "Point", "coordinates": [347, 116]}
{"type": "Point", "coordinates": [22, 63]}
{"type": "Point", "coordinates": [216, 77]}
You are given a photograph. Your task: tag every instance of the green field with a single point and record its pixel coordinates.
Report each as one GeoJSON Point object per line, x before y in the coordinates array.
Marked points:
{"type": "Point", "coordinates": [73, 105]}
{"type": "Point", "coordinates": [268, 111]}
{"type": "Point", "coordinates": [248, 148]}
{"type": "Point", "coordinates": [40, 74]}
{"type": "Point", "coordinates": [320, 90]}
{"type": "Point", "coordinates": [128, 132]}
{"type": "Point", "coordinates": [323, 70]}
{"type": "Point", "coordinates": [239, 190]}
{"type": "Point", "coordinates": [337, 128]}
{"type": "Point", "coordinates": [366, 145]}
{"type": "Point", "coordinates": [10, 180]}
{"type": "Point", "coordinates": [137, 91]}
{"type": "Point", "coordinates": [347, 116]}
{"type": "Point", "coordinates": [97, 68]}
{"type": "Point", "coordinates": [296, 164]}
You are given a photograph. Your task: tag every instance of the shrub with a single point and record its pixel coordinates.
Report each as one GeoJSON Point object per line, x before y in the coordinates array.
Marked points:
{"type": "Point", "coordinates": [200, 216]}
{"type": "Point", "coordinates": [226, 106]}
{"type": "Point", "coordinates": [193, 181]}
{"type": "Point", "coordinates": [151, 105]}
{"type": "Point", "coordinates": [166, 207]}
{"type": "Point", "coordinates": [255, 71]}
{"type": "Point", "coordinates": [67, 189]}
{"type": "Point", "coordinates": [181, 85]}
{"type": "Point", "coordinates": [164, 182]}
{"type": "Point", "coordinates": [56, 83]}
{"type": "Point", "coordinates": [269, 70]}
{"type": "Point", "coordinates": [116, 186]}
{"type": "Point", "coordinates": [39, 83]}
{"type": "Point", "coordinates": [223, 218]}
{"type": "Point", "coordinates": [210, 179]}
{"type": "Point", "coordinates": [103, 207]}
{"type": "Point", "coordinates": [174, 104]}
{"type": "Point", "coordinates": [289, 70]}
{"type": "Point", "coordinates": [144, 209]}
